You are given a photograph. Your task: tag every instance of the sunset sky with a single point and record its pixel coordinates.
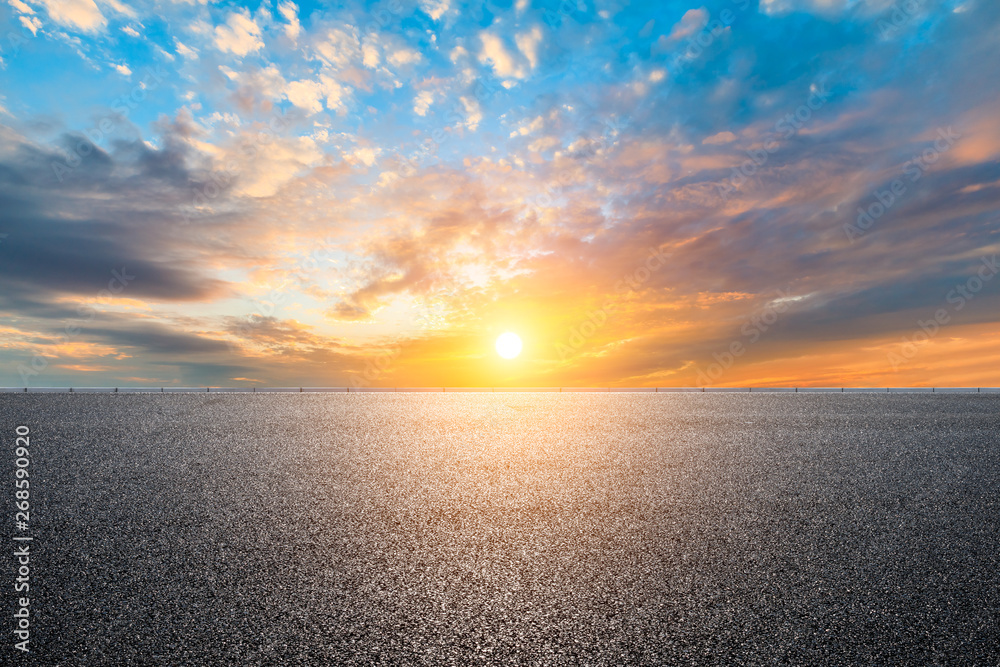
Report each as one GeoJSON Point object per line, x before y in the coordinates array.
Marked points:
{"type": "Point", "coordinates": [772, 192]}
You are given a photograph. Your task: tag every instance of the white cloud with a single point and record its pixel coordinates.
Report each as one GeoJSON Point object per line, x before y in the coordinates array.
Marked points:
{"type": "Point", "coordinates": [692, 21]}
{"type": "Point", "coordinates": [473, 114]}
{"type": "Point", "coordinates": [31, 23]}
{"type": "Point", "coordinates": [528, 126]}
{"type": "Point", "coordinates": [435, 8]}
{"type": "Point", "coordinates": [543, 144]}
{"type": "Point", "coordinates": [119, 8]}
{"type": "Point", "coordinates": [336, 94]}
{"type": "Point", "coordinates": [423, 102]}
{"type": "Point", "coordinates": [369, 54]}
{"type": "Point", "coordinates": [306, 94]}
{"type": "Point", "coordinates": [264, 82]}
{"type": "Point", "coordinates": [366, 155]}
{"type": "Point", "coordinates": [21, 7]}
{"type": "Point", "coordinates": [124, 69]}
{"type": "Point", "coordinates": [130, 31]}
{"type": "Point", "coordinates": [773, 7]}
{"type": "Point", "coordinates": [404, 57]}
{"type": "Point", "coordinates": [720, 138]}
{"type": "Point", "coordinates": [494, 52]}
{"type": "Point", "coordinates": [81, 14]}
{"type": "Point", "coordinates": [387, 178]}
{"type": "Point", "coordinates": [290, 12]}
{"type": "Point", "coordinates": [278, 162]}
{"type": "Point", "coordinates": [239, 35]}
{"type": "Point", "coordinates": [340, 48]}
{"type": "Point", "coordinates": [657, 75]}
{"type": "Point", "coordinates": [224, 118]}
{"type": "Point", "coordinates": [528, 43]}
{"type": "Point", "coordinates": [311, 95]}
{"type": "Point", "coordinates": [166, 54]}
{"type": "Point", "coordinates": [186, 51]}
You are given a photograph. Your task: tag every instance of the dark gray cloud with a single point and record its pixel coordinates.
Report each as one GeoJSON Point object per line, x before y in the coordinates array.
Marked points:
{"type": "Point", "coordinates": [110, 212]}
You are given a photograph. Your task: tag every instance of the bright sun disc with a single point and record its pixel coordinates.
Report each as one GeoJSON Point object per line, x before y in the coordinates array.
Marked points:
{"type": "Point", "coordinates": [508, 345]}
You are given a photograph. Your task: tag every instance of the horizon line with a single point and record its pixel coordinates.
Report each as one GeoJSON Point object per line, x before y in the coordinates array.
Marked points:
{"type": "Point", "coordinates": [354, 390]}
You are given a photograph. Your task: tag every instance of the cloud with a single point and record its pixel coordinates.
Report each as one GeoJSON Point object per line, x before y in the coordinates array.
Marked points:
{"type": "Point", "coordinates": [21, 7]}
{"type": "Point", "coordinates": [185, 51]}
{"type": "Point", "coordinates": [692, 21]}
{"type": "Point", "coordinates": [68, 239]}
{"type": "Point", "coordinates": [119, 8]}
{"type": "Point", "coordinates": [528, 43]}
{"type": "Point", "coordinates": [505, 64]}
{"type": "Point", "coordinates": [366, 156]}
{"type": "Point", "coordinates": [544, 144]}
{"type": "Point", "coordinates": [339, 48]}
{"type": "Point", "coordinates": [311, 95]}
{"type": "Point", "coordinates": [528, 127]}
{"type": "Point", "coordinates": [495, 53]}
{"type": "Point", "coordinates": [720, 138]}
{"type": "Point", "coordinates": [404, 56]}
{"type": "Point", "coordinates": [155, 338]}
{"type": "Point", "coordinates": [256, 87]}
{"type": "Point", "coordinates": [290, 12]}
{"type": "Point", "coordinates": [306, 95]}
{"type": "Point", "coordinates": [276, 163]}
{"type": "Point", "coordinates": [84, 15]}
{"type": "Point", "coordinates": [32, 23]}
{"type": "Point", "coordinates": [239, 35]}
{"type": "Point", "coordinates": [370, 53]}
{"type": "Point", "coordinates": [458, 53]}
{"type": "Point", "coordinates": [124, 69]}
{"type": "Point", "coordinates": [779, 7]}
{"type": "Point", "coordinates": [473, 112]}
{"type": "Point", "coordinates": [435, 8]}
{"type": "Point", "coordinates": [423, 102]}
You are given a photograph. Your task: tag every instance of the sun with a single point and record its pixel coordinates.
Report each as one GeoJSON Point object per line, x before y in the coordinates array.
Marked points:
{"type": "Point", "coordinates": [508, 345]}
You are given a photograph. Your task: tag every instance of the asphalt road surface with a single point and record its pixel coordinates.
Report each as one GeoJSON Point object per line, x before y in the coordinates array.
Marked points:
{"type": "Point", "coordinates": [679, 529]}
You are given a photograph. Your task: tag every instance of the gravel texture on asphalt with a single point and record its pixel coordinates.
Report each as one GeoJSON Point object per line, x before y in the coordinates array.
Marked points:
{"type": "Point", "coordinates": [687, 529]}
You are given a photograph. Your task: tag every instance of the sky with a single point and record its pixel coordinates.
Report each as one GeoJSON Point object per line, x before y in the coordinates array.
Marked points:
{"type": "Point", "coordinates": [731, 193]}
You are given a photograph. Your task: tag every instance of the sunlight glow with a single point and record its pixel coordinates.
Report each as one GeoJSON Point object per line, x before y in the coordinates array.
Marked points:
{"type": "Point", "coordinates": [508, 345]}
